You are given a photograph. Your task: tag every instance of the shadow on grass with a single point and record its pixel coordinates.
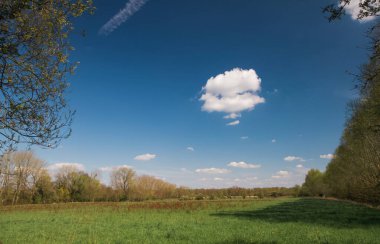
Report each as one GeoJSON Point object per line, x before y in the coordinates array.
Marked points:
{"type": "Point", "coordinates": [240, 241]}
{"type": "Point", "coordinates": [336, 214]}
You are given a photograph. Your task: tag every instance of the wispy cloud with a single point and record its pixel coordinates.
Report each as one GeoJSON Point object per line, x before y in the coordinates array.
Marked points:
{"type": "Point", "coordinates": [294, 158]}
{"type": "Point", "coordinates": [212, 171]}
{"type": "Point", "coordinates": [244, 165]}
{"type": "Point", "coordinates": [281, 174]}
{"type": "Point", "coordinates": [145, 157]}
{"type": "Point", "coordinates": [190, 149]}
{"type": "Point", "coordinates": [111, 168]}
{"type": "Point", "coordinates": [233, 123]}
{"type": "Point", "coordinates": [218, 179]}
{"type": "Point", "coordinates": [57, 166]}
{"type": "Point", "coordinates": [232, 116]}
{"type": "Point", "coordinates": [124, 14]}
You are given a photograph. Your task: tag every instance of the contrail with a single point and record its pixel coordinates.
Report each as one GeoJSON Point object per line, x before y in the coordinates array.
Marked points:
{"type": "Point", "coordinates": [130, 9]}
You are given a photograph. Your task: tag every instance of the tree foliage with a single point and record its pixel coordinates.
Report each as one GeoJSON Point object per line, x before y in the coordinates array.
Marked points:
{"type": "Point", "coordinates": [354, 172]}
{"type": "Point", "coordinates": [314, 184]}
{"type": "Point", "coordinates": [34, 62]}
{"type": "Point", "coordinates": [367, 8]}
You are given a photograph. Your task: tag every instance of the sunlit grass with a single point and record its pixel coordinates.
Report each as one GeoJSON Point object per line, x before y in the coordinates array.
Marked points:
{"type": "Point", "coordinates": [287, 220]}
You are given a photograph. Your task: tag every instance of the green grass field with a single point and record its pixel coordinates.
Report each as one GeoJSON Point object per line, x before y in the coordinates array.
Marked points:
{"type": "Point", "coordinates": [286, 220]}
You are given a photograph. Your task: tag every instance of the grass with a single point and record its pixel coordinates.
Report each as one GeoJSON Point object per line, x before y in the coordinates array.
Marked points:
{"type": "Point", "coordinates": [285, 220]}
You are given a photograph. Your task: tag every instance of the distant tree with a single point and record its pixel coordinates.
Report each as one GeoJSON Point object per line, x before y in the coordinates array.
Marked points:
{"type": "Point", "coordinates": [44, 189]}
{"type": "Point", "coordinates": [75, 185]}
{"type": "Point", "coordinates": [148, 187]}
{"type": "Point", "coordinates": [19, 172]}
{"type": "Point", "coordinates": [34, 51]}
{"type": "Point", "coordinates": [122, 180]}
{"type": "Point", "coordinates": [314, 184]}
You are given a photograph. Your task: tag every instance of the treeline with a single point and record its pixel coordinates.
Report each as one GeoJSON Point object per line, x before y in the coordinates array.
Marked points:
{"type": "Point", "coordinates": [25, 179]}
{"type": "Point", "coordinates": [354, 172]}
{"type": "Point", "coordinates": [237, 193]}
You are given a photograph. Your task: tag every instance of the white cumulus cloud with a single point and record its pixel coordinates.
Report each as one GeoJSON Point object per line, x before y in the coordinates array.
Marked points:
{"type": "Point", "coordinates": [244, 165]}
{"type": "Point", "coordinates": [327, 156]}
{"type": "Point", "coordinates": [232, 92]}
{"type": "Point", "coordinates": [124, 14]}
{"type": "Point", "coordinates": [294, 158]}
{"type": "Point", "coordinates": [145, 157]}
{"type": "Point", "coordinates": [212, 171]}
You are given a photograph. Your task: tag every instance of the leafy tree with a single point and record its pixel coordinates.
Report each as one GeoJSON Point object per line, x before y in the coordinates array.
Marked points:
{"type": "Point", "coordinates": [314, 184]}
{"type": "Point", "coordinates": [77, 186]}
{"type": "Point", "coordinates": [34, 62]}
{"type": "Point", "coordinates": [44, 189]}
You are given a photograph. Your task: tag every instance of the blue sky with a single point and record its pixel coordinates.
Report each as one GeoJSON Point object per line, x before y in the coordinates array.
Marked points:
{"type": "Point", "coordinates": [138, 90]}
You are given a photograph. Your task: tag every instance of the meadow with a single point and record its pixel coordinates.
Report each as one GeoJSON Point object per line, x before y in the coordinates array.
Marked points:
{"type": "Point", "coordinates": [281, 220]}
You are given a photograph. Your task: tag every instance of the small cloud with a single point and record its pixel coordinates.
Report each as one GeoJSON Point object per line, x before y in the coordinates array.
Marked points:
{"type": "Point", "coordinates": [244, 137]}
{"type": "Point", "coordinates": [281, 174]}
{"type": "Point", "coordinates": [232, 116]}
{"type": "Point", "coordinates": [244, 165]}
{"type": "Point", "coordinates": [190, 149]}
{"type": "Point", "coordinates": [294, 158]}
{"type": "Point", "coordinates": [212, 171]}
{"type": "Point", "coordinates": [145, 157]}
{"type": "Point", "coordinates": [327, 156]}
{"type": "Point", "coordinates": [218, 179]}
{"type": "Point", "coordinates": [274, 140]}
{"type": "Point", "coordinates": [299, 166]}
{"type": "Point", "coordinates": [233, 123]}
